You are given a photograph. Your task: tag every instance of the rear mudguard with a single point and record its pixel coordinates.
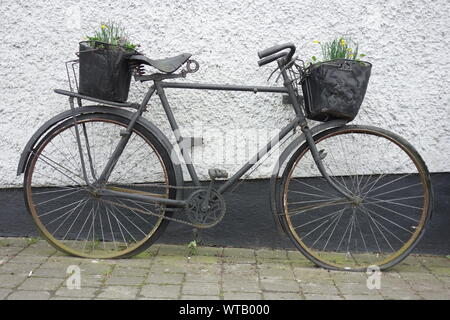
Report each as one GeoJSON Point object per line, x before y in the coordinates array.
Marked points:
{"type": "Point", "coordinates": [40, 133]}
{"type": "Point", "coordinates": [275, 183]}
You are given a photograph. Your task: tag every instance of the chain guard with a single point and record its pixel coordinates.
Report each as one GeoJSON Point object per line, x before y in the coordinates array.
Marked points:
{"type": "Point", "coordinates": [208, 217]}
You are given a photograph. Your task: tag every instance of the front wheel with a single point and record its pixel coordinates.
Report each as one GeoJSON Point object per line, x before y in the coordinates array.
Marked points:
{"type": "Point", "coordinates": [73, 218]}
{"type": "Point", "coordinates": [393, 191]}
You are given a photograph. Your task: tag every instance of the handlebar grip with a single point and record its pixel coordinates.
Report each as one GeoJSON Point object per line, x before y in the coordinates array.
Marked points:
{"type": "Point", "coordinates": [271, 58]}
{"type": "Point", "coordinates": [269, 51]}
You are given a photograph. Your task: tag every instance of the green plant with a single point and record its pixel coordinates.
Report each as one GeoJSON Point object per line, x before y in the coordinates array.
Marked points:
{"type": "Point", "coordinates": [112, 33]}
{"type": "Point", "coordinates": [340, 48]}
{"type": "Point", "coordinates": [192, 248]}
{"type": "Point", "coordinates": [32, 240]}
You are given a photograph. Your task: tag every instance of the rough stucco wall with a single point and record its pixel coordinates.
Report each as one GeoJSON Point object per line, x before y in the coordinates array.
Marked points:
{"type": "Point", "coordinates": [407, 42]}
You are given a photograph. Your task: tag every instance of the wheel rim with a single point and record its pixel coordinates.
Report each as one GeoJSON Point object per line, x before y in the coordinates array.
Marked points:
{"type": "Point", "coordinates": [380, 230]}
{"type": "Point", "coordinates": [65, 210]}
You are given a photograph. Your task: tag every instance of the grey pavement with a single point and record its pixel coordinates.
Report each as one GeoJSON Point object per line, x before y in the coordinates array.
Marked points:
{"type": "Point", "coordinates": [32, 269]}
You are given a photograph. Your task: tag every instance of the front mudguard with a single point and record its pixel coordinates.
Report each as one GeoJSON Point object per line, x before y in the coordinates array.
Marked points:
{"type": "Point", "coordinates": [275, 181]}
{"type": "Point", "coordinates": [50, 124]}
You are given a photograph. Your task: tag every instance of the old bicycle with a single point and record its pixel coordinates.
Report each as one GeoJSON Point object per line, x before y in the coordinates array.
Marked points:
{"type": "Point", "coordinates": [104, 182]}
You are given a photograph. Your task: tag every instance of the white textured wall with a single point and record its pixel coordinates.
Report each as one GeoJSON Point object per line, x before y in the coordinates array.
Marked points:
{"type": "Point", "coordinates": [407, 42]}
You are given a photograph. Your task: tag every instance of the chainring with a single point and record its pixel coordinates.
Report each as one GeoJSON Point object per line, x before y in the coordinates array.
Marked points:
{"type": "Point", "coordinates": [209, 216]}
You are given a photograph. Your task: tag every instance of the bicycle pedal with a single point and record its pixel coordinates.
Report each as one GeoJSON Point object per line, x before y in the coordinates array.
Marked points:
{"type": "Point", "coordinates": [217, 173]}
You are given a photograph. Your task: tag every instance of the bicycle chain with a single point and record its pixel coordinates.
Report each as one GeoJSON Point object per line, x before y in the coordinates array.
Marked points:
{"type": "Point", "coordinates": [149, 213]}
{"type": "Point", "coordinates": [155, 214]}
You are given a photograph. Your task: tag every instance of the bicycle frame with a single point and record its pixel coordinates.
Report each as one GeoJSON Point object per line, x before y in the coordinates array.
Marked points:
{"type": "Point", "coordinates": [160, 85]}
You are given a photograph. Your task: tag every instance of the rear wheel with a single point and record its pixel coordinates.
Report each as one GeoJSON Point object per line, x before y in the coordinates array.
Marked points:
{"type": "Point", "coordinates": [66, 211]}
{"type": "Point", "coordinates": [395, 199]}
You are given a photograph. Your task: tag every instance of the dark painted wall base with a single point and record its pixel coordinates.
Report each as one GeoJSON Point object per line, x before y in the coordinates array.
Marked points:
{"type": "Point", "coordinates": [248, 222]}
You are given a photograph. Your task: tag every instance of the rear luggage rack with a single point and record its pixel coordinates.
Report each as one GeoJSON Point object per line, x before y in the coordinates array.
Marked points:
{"type": "Point", "coordinates": [105, 102]}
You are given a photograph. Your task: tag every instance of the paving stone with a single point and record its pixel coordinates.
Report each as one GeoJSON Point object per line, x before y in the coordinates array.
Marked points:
{"type": "Point", "coordinates": [363, 297]}
{"type": "Point", "coordinates": [4, 293]}
{"type": "Point", "coordinates": [96, 268]}
{"type": "Point", "coordinates": [399, 294]}
{"type": "Point", "coordinates": [282, 296]}
{"type": "Point", "coordinates": [76, 293]}
{"type": "Point", "coordinates": [275, 271]}
{"type": "Point", "coordinates": [210, 251]}
{"type": "Point", "coordinates": [136, 263]}
{"type": "Point", "coordinates": [10, 281]}
{"type": "Point", "coordinates": [235, 277]}
{"type": "Point", "coordinates": [50, 273]}
{"type": "Point", "coordinates": [28, 259]}
{"type": "Point", "coordinates": [10, 251]}
{"type": "Point", "coordinates": [241, 284]}
{"type": "Point", "coordinates": [242, 296]}
{"type": "Point", "coordinates": [45, 251]}
{"type": "Point", "coordinates": [73, 298]}
{"type": "Point", "coordinates": [173, 250]}
{"type": "Point", "coordinates": [36, 284]}
{"type": "Point", "coordinates": [238, 252]}
{"type": "Point", "coordinates": [271, 254]}
{"type": "Point", "coordinates": [124, 281]}
{"type": "Point", "coordinates": [167, 278]}
{"type": "Point", "coordinates": [280, 285]}
{"type": "Point", "coordinates": [92, 280]}
{"type": "Point", "coordinates": [318, 288]}
{"type": "Point", "coordinates": [435, 295]}
{"type": "Point", "coordinates": [322, 297]}
{"type": "Point", "coordinates": [203, 269]}
{"type": "Point", "coordinates": [29, 295]}
{"type": "Point", "coordinates": [239, 269]}
{"type": "Point", "coordinates": [204, 259]}
{"type": "Point", "coordinates": [204, 277]}
{"type": "Point", "coordinates": [434, 261]}
{"type": "Point", "coordinates": [161, 291]}
{"type": "Point", "coordinates": [349, 288]}
{"type": "Point", "coordinates": [190, 297]}
{"type": "Point", "coordinates": [350, 277]}
{"type": "Point", "coordinates": [149, 253]}
{"type": "Point", "coordinates": [62, 265]}
{"type": "Point", "coordinates": [20, 269]}
{"type": "Point", "coordinates": [440, 271]}
{"type": "Point", "coordinates": [120, 271]}
{"type": "Point", "coordinates": [427, 285]}
{"type": "Point", "coordinates": [405, 268]}
{"type": "Point", "coordinates": [170, 260]}
{"type": "Point", "coordinates": [415, 276]}
{"type": "Point", "coordinates": [239, 260]}
{"type": "Point", "coordinates": [168, 269]}
{"type": "Point", "coordinates": [204, 288]}
{"type": "Point", "coordinates": [13, 242]}
{"type": "Point", "coordinates": [119, 292]}
{"type": "Point", "coordinates": [302, 264]}
{"type": "Point", "coordinates": [312, 274]}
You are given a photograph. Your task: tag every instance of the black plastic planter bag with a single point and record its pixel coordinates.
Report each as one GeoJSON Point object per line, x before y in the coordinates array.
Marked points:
{"type": "Point", "coordinates": [335, 89]}
{"type": "Point", "coordinates": [104, 71]}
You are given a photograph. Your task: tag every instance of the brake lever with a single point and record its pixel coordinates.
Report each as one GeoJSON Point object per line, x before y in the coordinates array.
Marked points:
{"type": "Point", "coordinates": [271, 74]}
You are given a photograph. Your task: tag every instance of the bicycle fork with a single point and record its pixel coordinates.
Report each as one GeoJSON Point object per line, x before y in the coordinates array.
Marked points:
{"type": "Point", "coordinates": [309, 138]}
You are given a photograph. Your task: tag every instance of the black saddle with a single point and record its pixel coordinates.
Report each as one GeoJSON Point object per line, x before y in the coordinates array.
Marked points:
{"type": "Point", "coordinates": [167, 65]}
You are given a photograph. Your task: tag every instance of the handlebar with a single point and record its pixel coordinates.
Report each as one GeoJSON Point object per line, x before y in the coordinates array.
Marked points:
{"type": "Point", "coordinates": [271, 58]}
{"type": "Point", "coordinates": [268, 55]}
